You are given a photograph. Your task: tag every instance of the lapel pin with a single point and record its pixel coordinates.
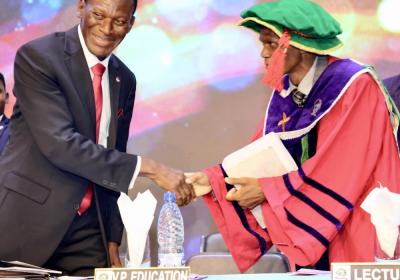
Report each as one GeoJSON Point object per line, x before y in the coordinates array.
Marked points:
{"type": "Point", "coordinates": [120, 113]}
{"type": "Point", "coordinates": [117, 79]}
{"type": "Point", "coordinates": [317, 107]}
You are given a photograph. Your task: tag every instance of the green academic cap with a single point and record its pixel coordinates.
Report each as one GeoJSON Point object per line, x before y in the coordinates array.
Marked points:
{"type": "Point", "coordinates": [311, 28]}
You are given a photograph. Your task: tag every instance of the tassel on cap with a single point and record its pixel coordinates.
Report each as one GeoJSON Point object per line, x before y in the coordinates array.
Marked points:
{"type": "Point", "coordinates": [276, 66]}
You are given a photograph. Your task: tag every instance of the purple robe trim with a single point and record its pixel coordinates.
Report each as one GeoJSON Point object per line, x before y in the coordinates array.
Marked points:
{"type": "Point", "coordinates": [240, 212]}
{"type": "Point", "coordinates": [307, 228]}
{"type": "Point", "coordinates": [320, 99]}
{"type": "Point", "coordinates": [317, 208]}
{"type": "Point", "coordinates": [325, 190]}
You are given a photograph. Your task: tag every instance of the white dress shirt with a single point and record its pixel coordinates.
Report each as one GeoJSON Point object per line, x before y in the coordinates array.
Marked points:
{"type": "Point", "coordinates": [306, 83]}
{"type": "Point", "coordinates": [91, 61]}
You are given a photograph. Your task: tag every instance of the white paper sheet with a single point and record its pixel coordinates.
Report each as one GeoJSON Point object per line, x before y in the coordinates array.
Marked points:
{"type": "Point", "coordinates": [265, 157]}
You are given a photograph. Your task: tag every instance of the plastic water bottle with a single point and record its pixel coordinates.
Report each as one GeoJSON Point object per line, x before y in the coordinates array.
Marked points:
{"type": "Point", "coordinates": [170, 233]}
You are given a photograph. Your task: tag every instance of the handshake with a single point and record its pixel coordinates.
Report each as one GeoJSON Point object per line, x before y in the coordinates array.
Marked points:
{"type": "Point", "coordinates": [188, 186]}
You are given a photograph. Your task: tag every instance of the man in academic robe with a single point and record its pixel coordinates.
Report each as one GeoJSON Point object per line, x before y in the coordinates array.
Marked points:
{"type": "Point", "coordinates": [332, 116]}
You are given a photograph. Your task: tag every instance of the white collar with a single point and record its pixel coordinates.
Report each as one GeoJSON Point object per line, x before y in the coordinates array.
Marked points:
{"type": "Point", "coordinates": [306, 83]}
{"type": "Point", "coordinates": [1, 117]}
{"type": "Point", "coordinates": [91, 59]}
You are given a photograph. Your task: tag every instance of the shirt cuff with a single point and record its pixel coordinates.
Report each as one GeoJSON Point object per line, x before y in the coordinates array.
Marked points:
{"type": "Point", "coordinates": [136, 173]}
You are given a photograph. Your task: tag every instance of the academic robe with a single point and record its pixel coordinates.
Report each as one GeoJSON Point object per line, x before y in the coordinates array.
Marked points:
{"type": "Point", "coordinates": [317, 207]}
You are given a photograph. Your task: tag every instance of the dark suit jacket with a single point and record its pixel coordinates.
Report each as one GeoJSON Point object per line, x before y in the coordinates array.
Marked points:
{"type": "Point", "coordinates": [52, 155]}
{"type": "Point", "coordinates": [393, 86]}
{"type": "Point", "coordinates": [3, 133]}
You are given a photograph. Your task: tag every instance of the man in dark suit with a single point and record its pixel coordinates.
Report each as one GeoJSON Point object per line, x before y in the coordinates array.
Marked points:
{"type": "Point", "coordinates": [68, 135]}
{"type": "Point", "coordinates": [393, 86]}
{"type": "Point", "coordinates": [4, 121]}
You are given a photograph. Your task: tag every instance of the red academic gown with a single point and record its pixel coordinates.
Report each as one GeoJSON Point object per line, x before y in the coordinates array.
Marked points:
{"type": "Point", "coordinates": [356, 149]}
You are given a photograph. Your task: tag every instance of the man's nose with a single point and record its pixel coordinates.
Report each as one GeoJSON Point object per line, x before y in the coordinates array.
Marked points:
{"type": "Point", "coordinates": [106, 26]}
{"type": "Point", "coordinates": [265, 53]}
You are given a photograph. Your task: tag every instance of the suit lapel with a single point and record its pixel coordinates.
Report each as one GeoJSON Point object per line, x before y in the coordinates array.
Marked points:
{"type": "Point", "coordinates": [115, 86]}
{"type": "Point", "coordinates": [76, 64]}
{"type": "Point", "coordinates": [3, 131]}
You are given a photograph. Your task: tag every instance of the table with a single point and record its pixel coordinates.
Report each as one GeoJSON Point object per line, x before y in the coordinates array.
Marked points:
{"type": "Point", "coordinates": [268, 276]}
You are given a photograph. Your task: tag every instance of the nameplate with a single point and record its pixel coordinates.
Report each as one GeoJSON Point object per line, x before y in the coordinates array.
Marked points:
{"type": "Point", "coordinates": [365, 271]}
{"type": "Point", "coordinates": [145, 273]}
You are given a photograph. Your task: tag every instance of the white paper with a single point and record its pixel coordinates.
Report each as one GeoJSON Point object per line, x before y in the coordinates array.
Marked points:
{"type": "Point", "coordinates": [265, 157]}
{"type": "Point", "coordinates": [25, 268]}
{"type": "Point", "coordinates": [137, 217]}
{"type": "Point", "coordinates": [307, 271]}
{"type": "Point", "coordinates": [384, 209]}
{"type": "Point", "coordinates": [41, 271]}
{"type": "Point", "coordinates": [74, 278]}
{"type": "Point", "coordinates": [22, 264]}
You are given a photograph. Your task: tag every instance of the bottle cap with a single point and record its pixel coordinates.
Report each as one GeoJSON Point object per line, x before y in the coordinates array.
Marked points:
{"type": "Point", "coordinates": [169, 197]}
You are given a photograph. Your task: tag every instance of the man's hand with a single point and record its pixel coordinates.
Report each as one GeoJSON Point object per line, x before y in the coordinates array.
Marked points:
{"type": "Point", "coordinates": [200, 182]}
{"type": "Point", "coordinates": [114, 254]}
{"type": "Point", "coordinates": [249, 195]}
{"type": "Point", "coordinates": [169, 179]}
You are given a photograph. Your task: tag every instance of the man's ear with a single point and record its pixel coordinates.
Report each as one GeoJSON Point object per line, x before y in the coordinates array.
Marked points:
{"type": "Point", "coordinates": [7, 97]}
{"type": "Point", "coordinates": [80, 8]}
{"type": "Point", "coordinates": [131, 22]}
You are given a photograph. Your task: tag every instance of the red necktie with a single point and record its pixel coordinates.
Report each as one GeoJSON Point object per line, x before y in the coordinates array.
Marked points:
{"type": "Point", "coordinates": [98, 71]}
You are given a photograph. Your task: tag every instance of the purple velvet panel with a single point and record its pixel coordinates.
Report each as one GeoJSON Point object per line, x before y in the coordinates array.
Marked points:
{"type": "Point", "coordinates": [325, 91]}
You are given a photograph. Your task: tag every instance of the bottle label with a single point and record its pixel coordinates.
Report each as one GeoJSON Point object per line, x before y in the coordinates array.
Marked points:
{"type": "Point", "coordinates": [170, 260]}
